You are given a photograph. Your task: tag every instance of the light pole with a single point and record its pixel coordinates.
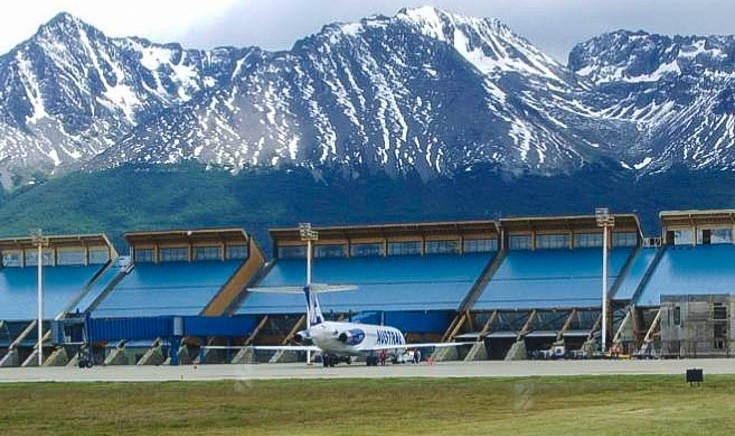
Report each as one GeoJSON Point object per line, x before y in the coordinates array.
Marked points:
{"type": "Point", "coordinates": [40, 241]}
{"type": "Point", "coordinates": [308, 235]}
{"type": "Point", "coordinates": [607, 221]}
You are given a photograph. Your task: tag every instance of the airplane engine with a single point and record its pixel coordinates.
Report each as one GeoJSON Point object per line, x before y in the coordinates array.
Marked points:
{"type": "Point", "coordinates": [303, 337]}
{"type": "Point", "coordinates": [352, 336]}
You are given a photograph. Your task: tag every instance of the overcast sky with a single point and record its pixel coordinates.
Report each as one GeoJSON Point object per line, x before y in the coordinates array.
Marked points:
{"type": "Point", "coordinates": [553, 25]}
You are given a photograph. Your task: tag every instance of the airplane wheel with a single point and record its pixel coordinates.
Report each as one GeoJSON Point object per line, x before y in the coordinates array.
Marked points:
{"type": "Point", "coordinates": [349, 360]}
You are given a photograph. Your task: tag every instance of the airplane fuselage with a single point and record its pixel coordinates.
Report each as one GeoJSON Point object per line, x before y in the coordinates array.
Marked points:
{"type": "Point", "coordinates": [351, 339]}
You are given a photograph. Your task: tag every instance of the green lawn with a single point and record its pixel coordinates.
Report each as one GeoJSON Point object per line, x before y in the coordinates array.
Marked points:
{"type": "Point", "coordinates": [549, 406]}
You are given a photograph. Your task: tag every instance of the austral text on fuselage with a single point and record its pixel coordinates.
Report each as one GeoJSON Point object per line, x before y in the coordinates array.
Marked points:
{"type": "Point", "coordinates": [388, 337]}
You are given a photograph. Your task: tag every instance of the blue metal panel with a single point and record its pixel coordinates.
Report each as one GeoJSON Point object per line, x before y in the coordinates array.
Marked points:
{"type": "Point", "coordinates": [219, 325]}
{"type": "Point", "coordinates": [171, 288]}
{"type": "Point", "coordinates": [419, 321]}
{"type": "Point", "coordinates": [62, 284]}
{"type": "Point", "coordinates": [700, 270]}
{"type": "Point", "coordinates": [98, 286]}
{"type": "Point", "coordinates": [115, 329]}
{"type": "Point", "coordinates": [432, 282]}
{"type": "Point", "coordinates": [551, 279]}
{"type": "Point", "coordinates": [637, 270]}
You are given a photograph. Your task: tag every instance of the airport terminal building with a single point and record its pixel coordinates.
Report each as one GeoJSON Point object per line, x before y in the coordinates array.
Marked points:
{"type": "Point", "coordinates": [516, 288]}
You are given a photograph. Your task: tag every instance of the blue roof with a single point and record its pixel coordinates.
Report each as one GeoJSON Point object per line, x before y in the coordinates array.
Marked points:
{"type": "Point", "coordinates": [638, 267]}
{"type": "Point", "coordinates": [99, 285]}
{"type": "Point", "coordinates": [704, 269]}
{"type": "Point", "coordinates": [170, 288]}
{"type": "Point", "coordinates": [393, 283]}
{"type": "Point", "coordinates": [62, 284]}
{"type": "Point", "coordinates": [551, 279]}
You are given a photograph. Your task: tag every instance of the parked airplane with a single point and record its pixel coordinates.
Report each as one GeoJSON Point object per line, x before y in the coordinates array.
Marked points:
{"type": "Point", "coordinates": [341, 341]}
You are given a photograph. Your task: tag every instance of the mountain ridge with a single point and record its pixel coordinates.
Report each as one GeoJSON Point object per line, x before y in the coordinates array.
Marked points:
{"type": "Point", "coordinates": [425, 91]}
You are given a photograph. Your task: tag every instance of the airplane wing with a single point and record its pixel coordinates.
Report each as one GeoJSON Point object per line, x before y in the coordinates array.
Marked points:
{"type": "Point", "coordinates": [267, 347]}
{"type": "Point", "coordinates": [416, 345]}
{"type": "Point", "coordinates": [286, 347]}
{"type": "Point", "coordinates": [315, 287]}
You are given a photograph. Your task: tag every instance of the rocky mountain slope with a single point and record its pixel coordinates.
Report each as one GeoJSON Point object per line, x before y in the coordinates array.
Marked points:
{"type": "Point", "coordinates": [424, 92]}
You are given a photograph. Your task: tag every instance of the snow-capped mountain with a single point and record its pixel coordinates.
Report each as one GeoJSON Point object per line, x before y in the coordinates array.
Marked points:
{"type": "Point", "coordinates": [425, 90]}
{"type": "Point", "coordinates": [677, 90]}
{"type": "Point", "coordinates": [70, 92]}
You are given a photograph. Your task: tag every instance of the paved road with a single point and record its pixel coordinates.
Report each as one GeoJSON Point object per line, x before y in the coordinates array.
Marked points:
{"type": "Point", "coordinates": [301, 371]}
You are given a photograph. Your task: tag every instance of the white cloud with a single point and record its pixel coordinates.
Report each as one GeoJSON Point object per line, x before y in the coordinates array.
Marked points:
{"type": "Point", "coordinates": [159, 20]}
{"type": "Point", "coordinates": [553, 25]}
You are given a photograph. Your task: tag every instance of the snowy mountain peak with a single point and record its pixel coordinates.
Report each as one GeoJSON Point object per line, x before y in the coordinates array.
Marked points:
{"type": "Point", "coordinates": [625, 56]}
{"type": "Point", "coordinates": [425, 91]}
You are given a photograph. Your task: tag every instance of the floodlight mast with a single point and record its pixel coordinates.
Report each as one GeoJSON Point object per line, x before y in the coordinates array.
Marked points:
{"type": "Point", "coordinates": [308, 235]}
{"type": "Point", "coordinates": [607, 221]}
{"type": "Point", "coordinates": [40, 241]}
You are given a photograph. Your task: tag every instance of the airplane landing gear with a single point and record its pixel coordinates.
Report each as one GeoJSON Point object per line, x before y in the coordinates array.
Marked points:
{"type": "Point", "coordinates": [330, 360]}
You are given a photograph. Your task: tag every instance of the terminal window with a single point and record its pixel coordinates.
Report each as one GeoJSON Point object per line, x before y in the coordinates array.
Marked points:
{"type": "Point", "coordinates": [32, 257]}
{"type": "Point", "coordinates": [208, 252]}
{"type": "Point", "coordinates": [292, 252]}
{"type": "Point", "coordinates": [12, 258]}
{"type": "Point", "coordinates": [480, 245]}
{"type": "Point", "coordinates": [588, 240]}
{"type": "Point", "coordinates": [714, 236]}
{"type": "Point", "coordinates": [70, 257]}
{"type": "Point", "coordinates": [100, 256]}
{"type": "Point", "coordinates": [237, 251]}
{"type": "Point", "coordinates": [442, 247]}
{"type": "Point", "coordinates": [407, 248]}
{"type": "Point", "coordinates": [625, 239]}
{"type": "Point", "coordinates": [552, 241]}
{"type": "Point", "coordinates": [683, 237]}
{"type": "Point", "coordinates": [367, 250]}
{"type": "Point", "coordinates": [519, 242]}
{"type": "Point", "coordinates": [330, 250]}
{"type": "Point", "coordinates": [175, 254]}
{"type": "Point", "coordinates": [144, 255]}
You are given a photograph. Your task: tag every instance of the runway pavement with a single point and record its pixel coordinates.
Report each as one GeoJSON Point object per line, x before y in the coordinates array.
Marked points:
{"type": "Point", "coordinates": [302, 371]}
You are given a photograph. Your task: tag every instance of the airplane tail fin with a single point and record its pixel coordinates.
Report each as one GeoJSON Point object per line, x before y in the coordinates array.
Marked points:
{"type": "Point", "coordinates": [313, 308]}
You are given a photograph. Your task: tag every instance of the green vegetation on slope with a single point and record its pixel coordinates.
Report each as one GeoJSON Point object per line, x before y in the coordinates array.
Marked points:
{"type": "Point", "coordinates": [545, 406]}
{"type": "Point", "coordinates": [189, 196]}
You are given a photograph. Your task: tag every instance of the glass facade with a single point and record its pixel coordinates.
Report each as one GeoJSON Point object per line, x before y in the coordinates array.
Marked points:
{"type": "Point", "coordinates": [99, 256]}
{"type": "Point", "coordinates": [12, 258]}
{"type": "Point", "coordinates": [480, 245]}
{"type": "Point", "coordinates": [330, 250]}
{"type": "Point", "coordinates": [144, 255]}
{"type": "Point", "coordinates": [32, 257]}
{"type": "Point", "coordinates": [237, 251]}
{"type": "Point", "coordinates": [683, 237]}
{"type": "Point", "coordinates": [557, 241]}
{"type": "Point", "coordinates": [442, 247]}
{"type": "Point", "coordinates": [519, 242]}
{"type": "Point", "coordinates": [404, 248]}
{"type": "Point", "coordinates": [373, 249]}
{"type": "Point", "coordinates": [174, 254]}
{"type": "Point", "coordinates": [624, 239]}
{"type": "Point", "coordinates": [70, 257]}
{"type": "Point", "coordinates": [587, 240]}
{"type": "Point", "coordinates": [714, 236]}
{"type": "Point", "coordinates": [209, 252]}
{"type": "Point", "coordinates": [292, 252]}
